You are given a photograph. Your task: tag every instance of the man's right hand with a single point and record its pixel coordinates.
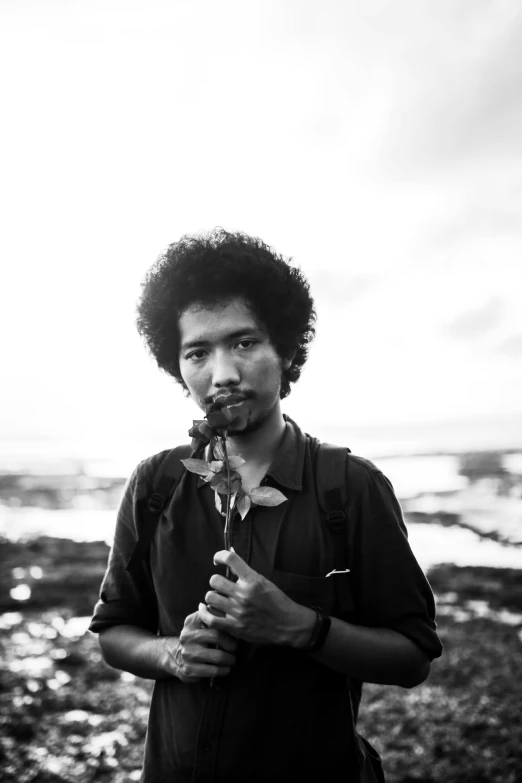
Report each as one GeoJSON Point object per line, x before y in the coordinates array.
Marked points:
{"type": "Point", "coordinates": [199, 652]}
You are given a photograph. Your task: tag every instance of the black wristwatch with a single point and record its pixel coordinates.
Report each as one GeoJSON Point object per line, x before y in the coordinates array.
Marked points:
{"type": "Point", "coordinates": [319, 632]}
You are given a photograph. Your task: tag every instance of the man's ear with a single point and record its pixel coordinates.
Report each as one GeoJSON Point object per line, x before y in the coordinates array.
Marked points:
{"type": "Point", "coordinates": [287, 363]}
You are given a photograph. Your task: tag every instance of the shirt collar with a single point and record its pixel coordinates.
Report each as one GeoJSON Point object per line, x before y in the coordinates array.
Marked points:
{"type": "Point", "coordinates": [288, 465]}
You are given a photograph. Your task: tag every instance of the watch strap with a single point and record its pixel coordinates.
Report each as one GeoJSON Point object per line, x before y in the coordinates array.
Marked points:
{"type": "Point", "coordinates": [319, 631]}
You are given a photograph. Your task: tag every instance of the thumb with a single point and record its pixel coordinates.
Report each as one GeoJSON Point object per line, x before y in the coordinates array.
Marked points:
{"type": "Point", "coordinates": [236, 564]}
{"type": "Point", "coordinates": [193, 620]}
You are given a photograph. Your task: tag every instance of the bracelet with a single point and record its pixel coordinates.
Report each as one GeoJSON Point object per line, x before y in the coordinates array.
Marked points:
{"type": "Point", "coordinates": [319, 632]}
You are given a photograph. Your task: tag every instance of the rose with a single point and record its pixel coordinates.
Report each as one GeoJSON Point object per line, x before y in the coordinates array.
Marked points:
{"type": "Point", "coordinates": [220, 417]}
{"type": "Point", "coordinates": [222, 472]}
{"type": "Point", "coordinates": [200, 432]}
{"type": "Point", "coordinates": [222, 475]}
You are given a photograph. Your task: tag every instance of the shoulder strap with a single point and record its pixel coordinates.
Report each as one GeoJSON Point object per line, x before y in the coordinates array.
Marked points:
{"type": "Point", "coordinates": [164, 484]}
{"type": "Point", "coordinates": [331, 481]}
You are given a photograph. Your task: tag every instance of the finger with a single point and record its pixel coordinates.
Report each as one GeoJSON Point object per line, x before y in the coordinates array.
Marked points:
{"type": "Point", "coordinates": [236, 564]}
{"type": "Point", "coordinates": [222, 584]}
{"type": "Point", "coordinates": [208, 655]}
{"type": "Point", "coordinates": [219, 623]}
{"type": "Point", "coordinates": [215, 612]}
{"type": "Point", "coordinates": [211, 636]}
{"type": "Point", "coordinates": [227, 642]}
{"type": "Point", "coordinates": [192, 620]}
{"type": "Point", "coordinates": [217, 601]}
{"type": "Point", "coordinates": [198, 671]}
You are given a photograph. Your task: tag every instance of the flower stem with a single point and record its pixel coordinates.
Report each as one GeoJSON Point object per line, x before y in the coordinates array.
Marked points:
{"type": "Point", "coordinates": [229, 490]}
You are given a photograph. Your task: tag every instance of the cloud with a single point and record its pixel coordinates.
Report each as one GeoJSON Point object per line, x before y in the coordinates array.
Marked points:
{"type": "Point", "coordinates": [458, 88]}
{"type": "Point", "coordinates": [338, 288]}
{"type": "Point", "coordinates": [477, 322]}
{"type": "Point", "coordinates": [511, 346]}
{"type": "Point", "coordinates": [478, 221]}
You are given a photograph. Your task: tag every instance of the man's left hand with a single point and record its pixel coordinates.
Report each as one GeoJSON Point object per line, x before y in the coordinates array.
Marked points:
{"type": "Point", "coordinates": [255, 609]}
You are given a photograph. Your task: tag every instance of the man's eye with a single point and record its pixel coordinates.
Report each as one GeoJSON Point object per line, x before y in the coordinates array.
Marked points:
{"type": "Point", "coordinates": [246, 343]}
{"type": "Point", "coordinates": [196, 356]}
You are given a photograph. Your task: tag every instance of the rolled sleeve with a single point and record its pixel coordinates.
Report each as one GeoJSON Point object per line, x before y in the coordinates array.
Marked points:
{"type": "Point", "coordinates": [126, 598]}
{"type": "Point", "coordinates": [391, 588]}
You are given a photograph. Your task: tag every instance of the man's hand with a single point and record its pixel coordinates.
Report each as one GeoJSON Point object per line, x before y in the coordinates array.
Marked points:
{"type": "Point", "coordinates": [255, 609]}
{"type": "Point", "coordinates": [194, 656]}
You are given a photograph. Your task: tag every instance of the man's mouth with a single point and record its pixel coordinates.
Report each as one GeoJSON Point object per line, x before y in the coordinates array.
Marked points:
{"type": "Point", "coordinates": [229, 400]}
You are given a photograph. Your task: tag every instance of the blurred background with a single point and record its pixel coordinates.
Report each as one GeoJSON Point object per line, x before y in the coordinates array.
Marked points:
{"type": "Point", "coordinates": [379, 146]}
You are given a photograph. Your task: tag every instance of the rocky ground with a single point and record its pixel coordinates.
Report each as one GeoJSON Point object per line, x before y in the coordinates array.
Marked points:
{"type": "Point", "coordinates": [67, 716]}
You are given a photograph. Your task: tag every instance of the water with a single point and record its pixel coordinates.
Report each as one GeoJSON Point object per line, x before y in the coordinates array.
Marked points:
{"type": "Point", "coordinates": [424, 484]}
{"type": "Point", "coordinates": [431, 543]}
{"type": "Point", "coordinates": [412, 476]}
{"type": "Point", "coordinates": [77, 524]}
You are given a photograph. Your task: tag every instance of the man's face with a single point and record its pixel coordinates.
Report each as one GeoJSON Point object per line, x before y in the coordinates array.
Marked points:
{"type": "Point", "coordinates": [224, 351]}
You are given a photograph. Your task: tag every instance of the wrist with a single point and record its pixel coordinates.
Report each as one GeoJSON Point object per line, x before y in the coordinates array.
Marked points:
{"type": "Point", "coordinates": [321, 630]}
{"type": "Point", "coordinates": [298, 632]}
{"type": "Point", "coordinates": [168, 655]}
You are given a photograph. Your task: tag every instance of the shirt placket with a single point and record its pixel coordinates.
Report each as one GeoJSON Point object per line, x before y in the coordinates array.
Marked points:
{"type": "Point", "coordinates": [241, 534]}
{"type": "Point", "coordinates": [211, 724]}
{"type": "Point", "coordinates": [207, 746]}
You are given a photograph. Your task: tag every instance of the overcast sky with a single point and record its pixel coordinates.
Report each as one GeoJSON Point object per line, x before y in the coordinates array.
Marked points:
{"type": "Point", "coordinates": [378, 144]}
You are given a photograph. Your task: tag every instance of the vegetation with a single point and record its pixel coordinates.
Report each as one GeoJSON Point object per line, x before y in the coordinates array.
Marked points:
{"type": "Point", "coordinates": [67, 716]}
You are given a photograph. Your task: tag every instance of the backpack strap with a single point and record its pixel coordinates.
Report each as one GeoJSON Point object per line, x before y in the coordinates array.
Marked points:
{"type": "Point", "coordinates": [165, 482]}
{"type": "Point", "coordinates": [331, 482]}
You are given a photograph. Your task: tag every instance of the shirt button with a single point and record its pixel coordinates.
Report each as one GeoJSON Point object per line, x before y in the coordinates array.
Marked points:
{"type": "Point", "coordinates": [207, 747]}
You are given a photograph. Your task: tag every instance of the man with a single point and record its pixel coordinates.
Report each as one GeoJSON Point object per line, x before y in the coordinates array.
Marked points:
{"type": "Point", "coordinates": [252, 682]}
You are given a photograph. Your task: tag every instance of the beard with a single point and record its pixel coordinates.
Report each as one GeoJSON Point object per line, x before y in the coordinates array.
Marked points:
{"type": "Point", "coordinates": [254, 424]}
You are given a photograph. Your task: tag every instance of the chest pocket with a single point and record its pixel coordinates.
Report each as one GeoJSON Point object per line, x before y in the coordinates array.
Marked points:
{"type": "Point", "coordinates": [313, 538]}
{"type": "Point", "coordinates": [308, 590]}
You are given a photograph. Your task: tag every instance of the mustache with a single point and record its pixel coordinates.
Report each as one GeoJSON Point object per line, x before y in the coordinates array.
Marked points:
{"type": "Point", "coordinates": [220, 399]}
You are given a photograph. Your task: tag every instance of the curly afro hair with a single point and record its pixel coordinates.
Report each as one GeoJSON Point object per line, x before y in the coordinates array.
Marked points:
{"type": "Point", "coordinates": [217, 267]}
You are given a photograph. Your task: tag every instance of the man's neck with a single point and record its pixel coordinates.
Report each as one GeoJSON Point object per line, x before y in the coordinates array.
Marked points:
{"type": "Point", "coordinates": [258, 448]}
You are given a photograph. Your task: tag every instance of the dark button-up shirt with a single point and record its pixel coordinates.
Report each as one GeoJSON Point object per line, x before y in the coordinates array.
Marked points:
{"type": "Point", "coordinates": [280, 715]}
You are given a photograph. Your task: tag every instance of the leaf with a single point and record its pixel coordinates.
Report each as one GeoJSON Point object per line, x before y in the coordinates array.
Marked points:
{"type": "Point", "coordinates": [243, 505]}
{"type": "Point", "coordinates": [235, 461]}
{"type": "Point", "coordinates": [200, 431]}
{"type": "Point", "coordinates": [217, 478]}
{"type": "Point", "coordinates": [266, 496]}
{"type": "Point", "coordinates": [218, 451]}
{"type": "Point", "coordinates": [220, 483]}
{"type": "Point", "coordinates": [205, 429]}
{"type": "Point", "coordinates": [217, 465]}
{"type": "Point", "coordinates": [235, 483]}
{"type": "Point", "coordinates": [218, 502]}
{"type": "Point", "coordinates": [222, 475]}
{"type": "Point", "coordinates": [198, 466]}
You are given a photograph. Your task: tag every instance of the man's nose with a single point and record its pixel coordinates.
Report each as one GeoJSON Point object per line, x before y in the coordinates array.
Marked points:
{"type": "Point", "coordinates": [224, 370]}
